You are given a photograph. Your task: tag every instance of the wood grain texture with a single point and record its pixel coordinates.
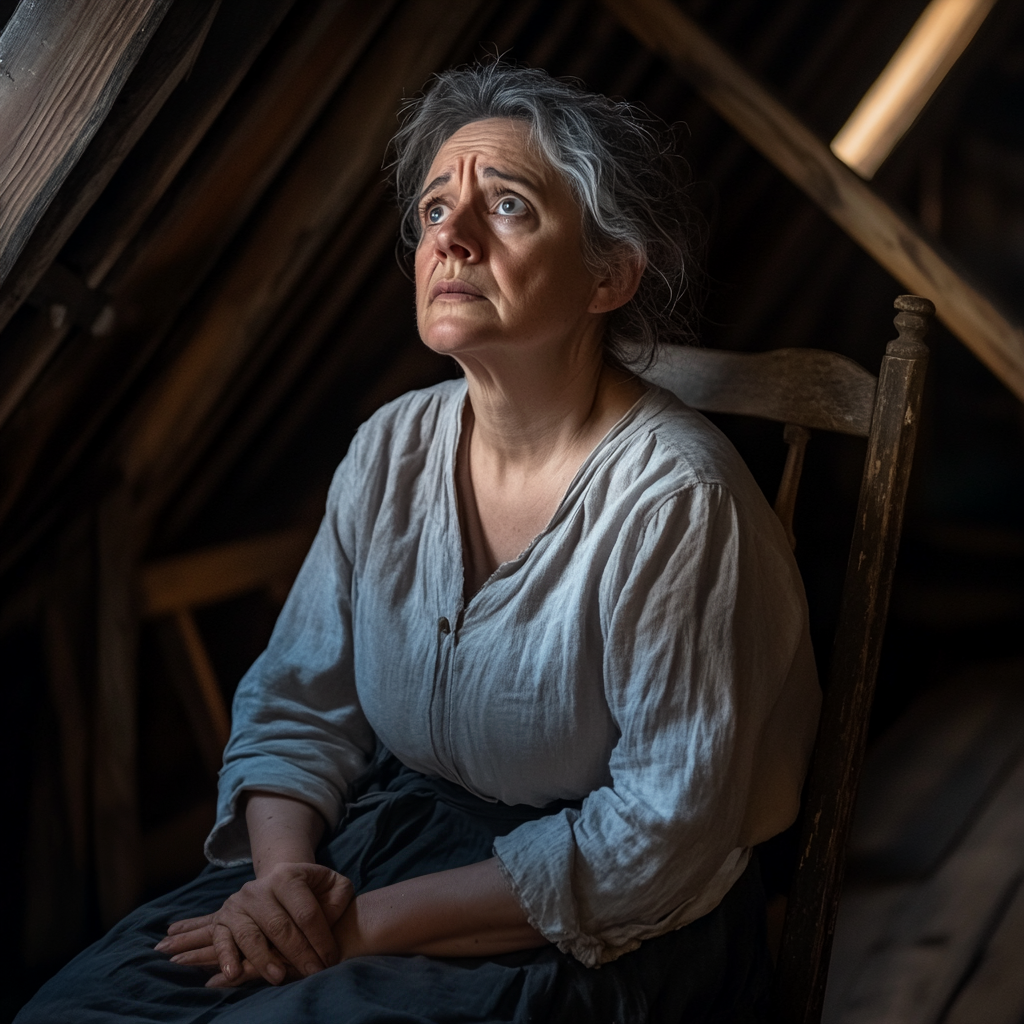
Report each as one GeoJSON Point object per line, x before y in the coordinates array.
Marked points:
{"type": "Point", "coordinates": [810, 387]}
{"type": "Point", "coordinates": [168, 57]}
{"type": "Point", "coordinates": [332, 172]}
{"type": "Point", "coordinates": [62, 64]}
{"type": "Point", "coordinates": [218, 573]}
{"type": "Point", "coordinates": [115, 749]}
{"type": "Point", "coordinates": [831, 787]}
{"type": "Point", "coordinates": [994, 994]}
{"type": "Point", "coordinates": [807, 161]}
{"type": "Point", "coordinates": [236, 37]}
{"type": "Point", "coordinates": [925, 938]}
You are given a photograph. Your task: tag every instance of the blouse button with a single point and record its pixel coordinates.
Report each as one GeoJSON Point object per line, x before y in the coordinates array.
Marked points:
{"type": "Point", "coordinates": [444, 625]}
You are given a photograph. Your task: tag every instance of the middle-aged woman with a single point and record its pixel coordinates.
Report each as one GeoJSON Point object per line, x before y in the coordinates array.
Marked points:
{"type": "Point", "coordinates": [544, 678]}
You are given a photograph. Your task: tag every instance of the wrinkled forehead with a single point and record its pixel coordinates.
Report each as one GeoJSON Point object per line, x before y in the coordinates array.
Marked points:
{"type": "Point", "coordinates": [504, 143]}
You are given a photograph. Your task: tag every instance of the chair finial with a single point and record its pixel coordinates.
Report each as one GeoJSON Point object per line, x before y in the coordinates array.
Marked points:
{"type": "Point", "coordinates": [912, 323]}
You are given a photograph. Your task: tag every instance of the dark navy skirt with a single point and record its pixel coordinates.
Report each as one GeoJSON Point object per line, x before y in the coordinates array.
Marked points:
{"type": "Point", "coordinates": [714, 971]}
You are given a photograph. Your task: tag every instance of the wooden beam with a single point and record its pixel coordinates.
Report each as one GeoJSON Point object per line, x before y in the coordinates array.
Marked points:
{"type": "Point", "coordinates": [61, 68]}
{"type": "Point", "coordinates": [166, 61]}
{"type": "Point", "coordinates": [236, 39]}
{"type": "Point", "coordinates": [217, 573]}
{"type": "Point", "coordinates": [807, 161]}
{"type": "Point", "coordinates": [193, 676]}
{"type": "Point", "coordinates": [115, 787]}
{"type": "Point", "coordinates": [321, 186]}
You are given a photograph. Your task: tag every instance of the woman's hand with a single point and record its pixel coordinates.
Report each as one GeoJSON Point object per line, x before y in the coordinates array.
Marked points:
{"type": "Point", "coordinates": [280, 923]}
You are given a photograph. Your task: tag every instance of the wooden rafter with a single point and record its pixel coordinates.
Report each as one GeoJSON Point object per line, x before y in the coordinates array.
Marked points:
{"type": "Point", "coordinates": [61, 68]}
{"type": "Point", "coordinates": [807, 161]}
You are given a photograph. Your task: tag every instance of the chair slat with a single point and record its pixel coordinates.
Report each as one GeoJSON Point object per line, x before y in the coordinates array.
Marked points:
{"type": "Point", "coordinates": [810, 387]}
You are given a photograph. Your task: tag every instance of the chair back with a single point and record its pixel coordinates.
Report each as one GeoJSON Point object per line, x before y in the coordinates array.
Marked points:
{"type": "Point", "coordinates": [808, 389]}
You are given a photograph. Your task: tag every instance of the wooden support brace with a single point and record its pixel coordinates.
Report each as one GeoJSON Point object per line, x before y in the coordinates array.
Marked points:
{"type": "Point", "coordinates": [194, 678]}
{"type": "Point", "coordinates": [115, 787]}
{"type": "Point", "coordinates": [796, 151]}
{"type": "Point", "coordinates": [785, 501]}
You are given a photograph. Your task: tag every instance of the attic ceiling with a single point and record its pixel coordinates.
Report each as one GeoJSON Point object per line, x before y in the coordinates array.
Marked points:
{"type": "Point", "coordinates": [242, 254]}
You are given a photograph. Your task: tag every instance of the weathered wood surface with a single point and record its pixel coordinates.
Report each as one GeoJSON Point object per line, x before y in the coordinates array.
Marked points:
{"type": "Point", "coordinates": [810, 387]}
{"type": "Point", "coordinates": [922, 940]}
{"type": "Point", "coordinates": [152, 286]}
{"type": "Point", "coordinates": [796, 437]}
{"type": "Point", "coordinates": [218, 573]}
{"type": "Point", "coordinates": [831, 787]}
{"type": "Point", "coordinates": [165, 62]}
{"type": "Point", "coordinates": [115, 735]}
{"type": "Point", "coordinates": [331, 173]}
{"type": "Point", "coordinates": [930, 774]}
{"type": "Point", "coordinates": [194, 678]}
{"type": "Point", "coordinates": [238, 34]}
{"type": "Point", "coordinates": [994, 994]}
{"type": "Point", "coordinates": [796, 151]}
{"type": "Point", "coordinates": [62, 64]}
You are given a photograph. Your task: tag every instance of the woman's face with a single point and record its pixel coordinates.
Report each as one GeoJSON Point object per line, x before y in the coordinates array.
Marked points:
{"type": "Point", "coordinates": [499, 262]}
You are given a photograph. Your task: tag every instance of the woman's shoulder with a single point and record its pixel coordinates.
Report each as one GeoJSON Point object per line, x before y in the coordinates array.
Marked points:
{"type": "Point", "coordinates": [416, 412]}
{"type": "Point", "coordinates": [679, 447]}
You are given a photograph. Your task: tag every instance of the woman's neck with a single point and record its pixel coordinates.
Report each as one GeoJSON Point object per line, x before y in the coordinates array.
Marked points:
{"type": "Point", "coordinates": [529, 412]}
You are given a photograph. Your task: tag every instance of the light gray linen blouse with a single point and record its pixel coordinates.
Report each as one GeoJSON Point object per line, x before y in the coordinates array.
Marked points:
{"type": "Point", "coordinates": [648, 653]}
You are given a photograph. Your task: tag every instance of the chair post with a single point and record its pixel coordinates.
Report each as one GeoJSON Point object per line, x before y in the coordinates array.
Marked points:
{"type": "Point", "coordinates": [802, 970]}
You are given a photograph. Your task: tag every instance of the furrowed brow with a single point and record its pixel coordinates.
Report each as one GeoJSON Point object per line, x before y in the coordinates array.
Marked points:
{"type": "Point", "coordinates": [493, 172]}
{"type": "Point", "coordinates": [441, 179]}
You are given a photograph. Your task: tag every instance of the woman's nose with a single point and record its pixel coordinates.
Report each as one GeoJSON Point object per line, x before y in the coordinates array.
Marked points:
{"type": "Point", "coordinates": [458, 236]}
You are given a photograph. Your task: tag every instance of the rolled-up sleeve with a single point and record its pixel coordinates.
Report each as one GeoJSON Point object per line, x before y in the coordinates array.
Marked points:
{"type": "Point", "coordinates": [704, 624]}
{"type": "Point", "coordinates": [297, 727]}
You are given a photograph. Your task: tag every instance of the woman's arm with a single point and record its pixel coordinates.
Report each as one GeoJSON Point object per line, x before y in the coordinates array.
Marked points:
{"type": "Point", "coordinates": [467, 911]}
{"type": "Point", "coordinates": [289, 909]}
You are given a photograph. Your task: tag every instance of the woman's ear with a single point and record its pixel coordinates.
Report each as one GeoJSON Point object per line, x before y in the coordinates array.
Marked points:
{"type": "Point", "coordinates": [620, 283]}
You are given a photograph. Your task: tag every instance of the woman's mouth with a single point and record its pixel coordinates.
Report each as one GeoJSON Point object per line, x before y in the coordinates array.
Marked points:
{"type": "Point", "coordinates": [455, 291]}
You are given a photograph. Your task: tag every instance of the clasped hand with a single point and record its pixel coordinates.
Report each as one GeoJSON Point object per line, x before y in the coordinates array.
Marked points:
{"type": "Point", "coordinates": [276, 927]}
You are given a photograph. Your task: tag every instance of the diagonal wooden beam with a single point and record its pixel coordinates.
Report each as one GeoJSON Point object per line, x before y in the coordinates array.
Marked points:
{"type": "Point", "coordinates": [329, 174]}
{"type": "Point", "coordinates": [61, 68]}
{"type": "Point", "coordinates": [807, 161]}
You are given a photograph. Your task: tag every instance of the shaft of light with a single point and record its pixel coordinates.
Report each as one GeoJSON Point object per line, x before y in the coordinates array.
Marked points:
{"type": "Point", "coordinates": [908, 81]}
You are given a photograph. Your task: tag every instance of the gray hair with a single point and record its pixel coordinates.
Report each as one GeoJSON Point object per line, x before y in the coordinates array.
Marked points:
{"type": "Point", "coordinates": [619, 163]}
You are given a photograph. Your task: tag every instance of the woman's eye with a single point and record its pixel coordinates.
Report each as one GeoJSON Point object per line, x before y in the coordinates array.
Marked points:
{"type": "Point", "coordinates": [511, 206]}
{"type": "Point", "coordinates": [436, 214]}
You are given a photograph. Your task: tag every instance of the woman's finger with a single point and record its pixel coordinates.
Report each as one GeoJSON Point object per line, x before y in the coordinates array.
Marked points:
{"type": "Point", "coordinates": [181, 942]}
{"type": "Point", "coordinates": [247, 974]}
{"type": "Point", "coordinates": [245, 935]}
{"type": "Point", "coordinates": [228, 959]}
{"type": "Point", "coordinates": [314, 941]}
{"type": "Point", "coordinates": [204, 957]}
{"type": "Point", "coordinates": [189, 924]}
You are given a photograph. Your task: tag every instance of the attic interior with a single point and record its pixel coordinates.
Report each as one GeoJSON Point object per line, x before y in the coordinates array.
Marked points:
{"type": "Point", "coordinates": [210, 305]}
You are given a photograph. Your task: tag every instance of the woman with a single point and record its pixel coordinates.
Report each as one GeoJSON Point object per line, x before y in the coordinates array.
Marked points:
{"type": "Point", "coordinates": [544, 678]}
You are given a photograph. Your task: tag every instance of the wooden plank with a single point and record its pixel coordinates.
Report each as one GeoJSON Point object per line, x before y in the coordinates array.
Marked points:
{"type": "Point", "coordinates": [62, 65]}
{"type": "Point", "coordinates": [929, 775]}
{"type": "Point", "coordinates": [810, 387]}
{"type": "Point", "coordinates": [332, 172]}
{"type": "Point", "coordinates": [796, 151]}
{"type": "Point", "coordinates": [115, 787]}
{"type": "Point", "coordinates": [235, 40]}
{"type": "Point", "coordinates": [994, 994]}
{"type": "Point", "coordinates": [217, 573]}
{"type": "Point", "coordinates": [922, 951]}
{"type": "Point", "coordinates": [192, 674]}
{"type": "Point", "coordinates": [166, 61]}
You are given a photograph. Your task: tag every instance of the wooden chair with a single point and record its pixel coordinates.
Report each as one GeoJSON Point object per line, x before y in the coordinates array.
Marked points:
{"type": "Point", "coordinates": [808, 389]}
